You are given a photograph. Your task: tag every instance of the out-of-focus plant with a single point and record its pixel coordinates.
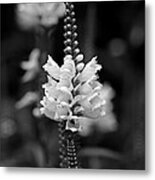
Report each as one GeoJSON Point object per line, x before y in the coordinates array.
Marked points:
{"type": "Point", "coordinates": [28, 99]}
{"type": "Point", "coordinates": [40, 17]}
{"type": "Point", "coordinates": [40, 20]}
{"type": "Point", "coordinates": [33, 15]}
{"type": "Point", "coordinates": [31, 66]}
{"type": "Point", "coordinates": [73, 95]}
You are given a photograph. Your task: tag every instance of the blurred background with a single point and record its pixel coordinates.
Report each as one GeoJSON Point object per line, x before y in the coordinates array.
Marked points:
{"type": "Point", "coordinates": [115, 32]}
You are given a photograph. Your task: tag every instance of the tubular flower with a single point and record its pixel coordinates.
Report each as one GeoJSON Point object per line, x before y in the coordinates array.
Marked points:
{"type": "Point", "coordinates": [73, 93]}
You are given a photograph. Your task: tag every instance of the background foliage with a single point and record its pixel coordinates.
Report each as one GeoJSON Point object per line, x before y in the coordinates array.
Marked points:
{"type": "Point", "coordinates": [115, 32]}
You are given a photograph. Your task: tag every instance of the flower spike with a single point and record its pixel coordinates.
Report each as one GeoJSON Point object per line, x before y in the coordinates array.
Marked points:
{"type": "Point", "coordinates": [73, 95]}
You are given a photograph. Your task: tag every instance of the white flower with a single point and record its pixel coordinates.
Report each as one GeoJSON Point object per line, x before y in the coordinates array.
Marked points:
{"type": "Point", "coordinates": [89, 72]}
{"type": "Point", "coordinates": [52, 68]}
{"type": "Point", "coordinates": [32, 15]}
{"type": "Point", "coordinates": [73, 93]}
{"type": "Point", "coordinates": [56, 103]}
{"type": "Point", "coordinates": [31, 66]}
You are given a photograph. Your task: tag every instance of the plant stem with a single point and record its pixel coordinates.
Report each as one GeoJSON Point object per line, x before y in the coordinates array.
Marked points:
{"type": "Point", "coordinates": [68, 145]}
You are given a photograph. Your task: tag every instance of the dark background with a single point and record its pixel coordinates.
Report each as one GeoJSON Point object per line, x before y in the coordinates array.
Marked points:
{"type": "Point", "coordinates": [115, 32]}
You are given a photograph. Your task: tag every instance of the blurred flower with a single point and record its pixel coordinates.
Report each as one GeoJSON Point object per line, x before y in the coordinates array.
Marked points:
{"type": "Point", "coordinates": [73, 93]}
{"type": "Point", "coordinates": [27, 99]}
{"type": "Point", "coordinates": [108, 123]}
{"type": "Point", "coordinates": [32, 15]}
{"type": "Point", "coordinates": [7, 127]}
{"type": "Point", "coordinates": [36, 112]}
{"type": "Point", "coordinates": [31, 66]}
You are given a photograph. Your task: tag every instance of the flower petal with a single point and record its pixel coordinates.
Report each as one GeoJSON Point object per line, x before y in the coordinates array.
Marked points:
{"type": "Point", "coordinates": [85, 89]}
{"type": "Point", "coordinates": [69, 65]}
{"type": "Point", "coordinates": [90, 70]}
{"type": "Point", "coordinates": [52, 68]}
{"type": "Point", "coordinates": [49, 114]}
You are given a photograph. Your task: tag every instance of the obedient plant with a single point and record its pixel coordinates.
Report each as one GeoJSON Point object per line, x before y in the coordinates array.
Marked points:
{"type": "Point", "coordinates": [73, 96]}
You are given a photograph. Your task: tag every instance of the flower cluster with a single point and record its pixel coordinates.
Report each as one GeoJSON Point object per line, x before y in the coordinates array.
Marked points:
{"type": "Point", "coordinates": [31, 15]}
{"type": "Point", "coordinates": [74, 94]}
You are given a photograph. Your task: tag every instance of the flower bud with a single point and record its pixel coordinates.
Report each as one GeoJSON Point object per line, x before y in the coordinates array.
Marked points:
{"type": "Point", "coordinates": [68, 57]}
{"type": "Point", "coordinates": [80, 66]}
{"type": "Point", "coordinates": [79, 57]}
